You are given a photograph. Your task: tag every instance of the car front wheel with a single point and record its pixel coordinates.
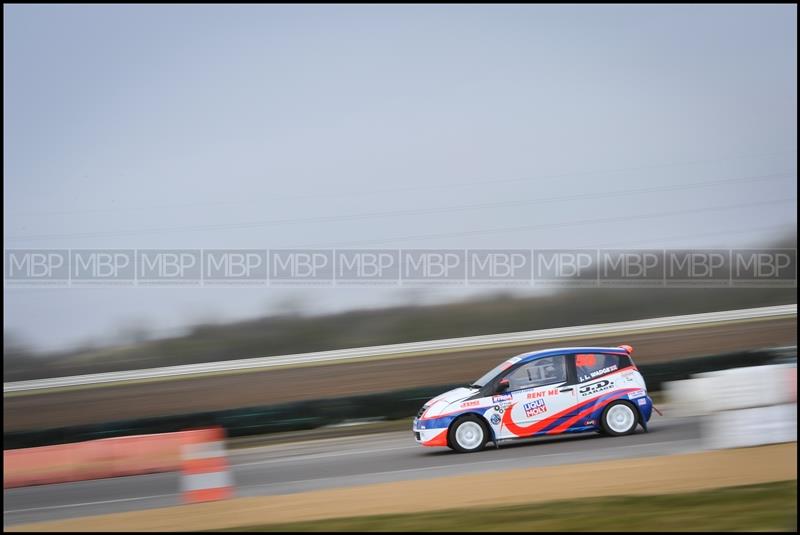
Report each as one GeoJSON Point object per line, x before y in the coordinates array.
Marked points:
{"type": "Point", "coordinates": [468, 435]}
{"type": "Point", "coordinates": [618, 419]}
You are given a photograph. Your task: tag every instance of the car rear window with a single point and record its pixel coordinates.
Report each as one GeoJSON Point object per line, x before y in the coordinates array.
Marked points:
{"type": "Point", "coordinates": [592, 365]}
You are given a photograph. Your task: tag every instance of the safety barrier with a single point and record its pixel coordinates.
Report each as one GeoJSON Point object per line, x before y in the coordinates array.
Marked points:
{"type": "Point", "coordinates": [739, 407]}
{"type": "Point", "coordinates": [205, 470]}
{"type": "Point", "coordinates": [110, 457]}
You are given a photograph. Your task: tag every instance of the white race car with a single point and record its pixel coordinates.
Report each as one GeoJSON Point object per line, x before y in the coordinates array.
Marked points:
{"type": "Point", "coordinates": [548, 392]}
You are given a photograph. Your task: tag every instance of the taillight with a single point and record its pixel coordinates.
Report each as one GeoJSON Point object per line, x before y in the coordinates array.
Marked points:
{"type": "Point", "coordinates": [629, 350]}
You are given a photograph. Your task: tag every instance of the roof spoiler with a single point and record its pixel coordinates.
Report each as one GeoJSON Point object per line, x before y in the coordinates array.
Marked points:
{"type": "Point", "coordinates": [628, 349]}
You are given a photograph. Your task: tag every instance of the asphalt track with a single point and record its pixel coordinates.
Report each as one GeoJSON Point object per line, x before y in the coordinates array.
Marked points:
{"type": "Point", "coordinates": [341, 462]}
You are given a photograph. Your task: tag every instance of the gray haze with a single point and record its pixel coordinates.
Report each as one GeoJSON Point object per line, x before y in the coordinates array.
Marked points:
{"type": "Point", "coordinates": [199, 126]}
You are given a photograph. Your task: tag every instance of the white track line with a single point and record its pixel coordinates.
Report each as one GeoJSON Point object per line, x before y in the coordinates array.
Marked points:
{"type": "Point", "coordinates": [84, 504]}
{"type": "Point", "coordinates": [302, 458]}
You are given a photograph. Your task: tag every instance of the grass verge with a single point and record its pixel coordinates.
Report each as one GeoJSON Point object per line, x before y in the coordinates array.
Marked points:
{"type": "Point", "coordinates": [763, 507]}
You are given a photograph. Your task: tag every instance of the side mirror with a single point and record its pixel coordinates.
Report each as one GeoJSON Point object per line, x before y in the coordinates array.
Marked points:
{"type": "Point", "coordinates": [503, 385]}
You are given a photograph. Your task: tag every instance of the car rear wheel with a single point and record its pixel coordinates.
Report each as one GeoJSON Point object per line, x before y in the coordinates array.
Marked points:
{"type": "Point", "coordinates": [468, 434]}
{"type": "Point", "coordinates": [619, 418]}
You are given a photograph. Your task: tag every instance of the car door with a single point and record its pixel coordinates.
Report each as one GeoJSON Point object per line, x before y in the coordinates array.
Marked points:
{"type": "Point", "coordinates": [540, 397]}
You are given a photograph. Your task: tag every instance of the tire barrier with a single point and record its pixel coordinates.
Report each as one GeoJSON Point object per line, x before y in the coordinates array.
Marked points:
{"type": "Point", "coordinates": [740, 407]}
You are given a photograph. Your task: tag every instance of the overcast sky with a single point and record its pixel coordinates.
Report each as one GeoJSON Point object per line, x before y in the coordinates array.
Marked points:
{"type": "Point", "coordinates": [200, 126]}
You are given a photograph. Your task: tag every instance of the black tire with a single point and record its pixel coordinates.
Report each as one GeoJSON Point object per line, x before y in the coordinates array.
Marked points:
{"type": "Point", "coordinates": [618, 422]}
{"type": "Point", "coordinates": [470, 442]}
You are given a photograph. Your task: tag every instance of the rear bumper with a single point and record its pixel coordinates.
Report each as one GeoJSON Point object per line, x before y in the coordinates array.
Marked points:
{"type": "Point", "coordinates": [646, 408]}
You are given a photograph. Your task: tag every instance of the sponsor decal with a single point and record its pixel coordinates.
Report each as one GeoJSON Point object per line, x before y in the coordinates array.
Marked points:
{"type": "Point", "coordinates": [594, 388]}
{"type": "Point", "coordinates": [542, 393]}
{"type": "Point", "coordinates": [473, 403]}
{"type": "Point", "coordinates": [584, 409]}
{"type": "Point", "coordinates": [605, 370]}
{"type": "Point", "coordinates": [501, 397]}
{"type": "Point", "coordinates": [535, 408]}
{"type": "Point", "coordinates": [642, 401]}
{"type": "Point", "coordinates": [598, 373]}
{"type": "Point", "coordinates": [590, 422]}
{"type": "Point", "coordinates": [495, 419]}
{"type": "Point", "coordinates": [637, 394]}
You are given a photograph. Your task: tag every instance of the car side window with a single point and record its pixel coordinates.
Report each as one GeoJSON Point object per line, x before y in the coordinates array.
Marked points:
{"type": "Point", "coordinates": [540, 372]}
{"type": "Point", "coordinates": [593, 365]}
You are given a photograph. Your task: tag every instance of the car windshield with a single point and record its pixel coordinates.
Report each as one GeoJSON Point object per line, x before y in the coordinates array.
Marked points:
{"type": "Point", "coordinates": [488, 376]}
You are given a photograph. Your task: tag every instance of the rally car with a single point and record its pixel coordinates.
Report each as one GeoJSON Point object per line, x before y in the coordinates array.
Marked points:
{"type": "Point", "coordinates": [548, 392]}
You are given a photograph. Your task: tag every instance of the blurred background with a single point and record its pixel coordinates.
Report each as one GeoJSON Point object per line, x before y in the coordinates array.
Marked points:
{"type": "Point", "coordinates": [413, 127]}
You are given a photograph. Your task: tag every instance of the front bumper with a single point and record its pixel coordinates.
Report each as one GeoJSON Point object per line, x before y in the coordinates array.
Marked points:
{"type": "Point", "coordinates": [428, 437]}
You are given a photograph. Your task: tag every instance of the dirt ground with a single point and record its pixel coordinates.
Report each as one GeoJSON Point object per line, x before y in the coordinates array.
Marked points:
{"type": "Point", "coordinates": [120, 402]}
{"type": "Point", "coordinates": [643, 476]}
